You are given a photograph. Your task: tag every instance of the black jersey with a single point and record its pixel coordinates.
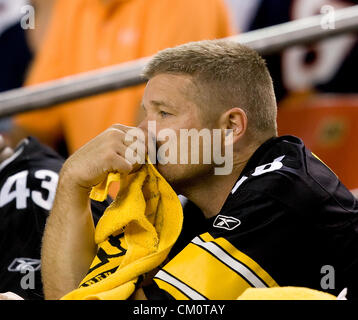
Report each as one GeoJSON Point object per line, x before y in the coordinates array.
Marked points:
{"type": "Point", "coordinates": [28, 181]}
{"type": "Point", "coordinates": [288, 221]}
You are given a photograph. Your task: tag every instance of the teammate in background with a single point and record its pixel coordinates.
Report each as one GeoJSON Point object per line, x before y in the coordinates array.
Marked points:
{"type": "Point", "coordinates": [28, 181]}
{"type": "Point", "coordinates": [85, 35]}
{"type": "Point", "coordinates": [280, 218]}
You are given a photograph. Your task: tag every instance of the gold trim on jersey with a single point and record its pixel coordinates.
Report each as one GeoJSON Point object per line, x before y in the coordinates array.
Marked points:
{"type": "Point", "coordinates": [213, 269]}
{"type": "Point", "coordinates": [318, 158]}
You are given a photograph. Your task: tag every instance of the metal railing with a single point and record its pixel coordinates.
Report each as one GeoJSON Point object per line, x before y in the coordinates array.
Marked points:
{"type": "Point", "coordinates": [267, 40]}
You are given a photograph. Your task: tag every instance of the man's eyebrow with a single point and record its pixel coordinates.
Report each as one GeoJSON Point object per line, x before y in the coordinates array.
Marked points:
{"type": "Point", "coordinates": [158, 103]}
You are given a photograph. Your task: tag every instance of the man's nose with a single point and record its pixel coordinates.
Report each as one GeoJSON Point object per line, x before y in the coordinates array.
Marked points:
{"type": "Point", "coordinates": [149, 128]}
{"type": "Point", "coordinates": [143, 125]}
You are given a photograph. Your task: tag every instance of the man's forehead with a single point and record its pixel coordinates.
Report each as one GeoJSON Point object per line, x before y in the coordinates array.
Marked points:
{"type": "Point", "coordinates": [167, 88]}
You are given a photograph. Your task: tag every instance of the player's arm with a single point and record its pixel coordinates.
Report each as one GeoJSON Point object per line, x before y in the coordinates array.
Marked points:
{"type": "Point", "coordinates": [68, 243]}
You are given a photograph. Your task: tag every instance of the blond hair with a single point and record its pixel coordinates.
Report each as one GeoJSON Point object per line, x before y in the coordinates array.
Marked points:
{"type": "Point", "coordinates": [228, 75]}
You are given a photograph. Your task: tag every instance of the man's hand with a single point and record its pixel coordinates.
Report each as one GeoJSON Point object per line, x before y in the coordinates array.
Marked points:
{"type": "Point", "coordinates": [105, 153]}
{"type": "Point", "coordinates": [68, 246]}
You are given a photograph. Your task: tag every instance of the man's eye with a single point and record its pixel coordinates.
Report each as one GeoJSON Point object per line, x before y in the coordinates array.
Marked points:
{"type": "Point", "coordinates": [164, 114]}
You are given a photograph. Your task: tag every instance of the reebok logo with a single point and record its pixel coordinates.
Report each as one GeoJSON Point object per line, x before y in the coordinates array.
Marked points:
{"type": "Point", "coordinates": [224, 222]}
{"type": "Point", "coordinates": [24, 264]}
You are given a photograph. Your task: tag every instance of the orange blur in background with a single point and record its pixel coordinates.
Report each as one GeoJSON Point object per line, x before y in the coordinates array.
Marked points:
{"type": "Point", "coordinates": [328, 124]}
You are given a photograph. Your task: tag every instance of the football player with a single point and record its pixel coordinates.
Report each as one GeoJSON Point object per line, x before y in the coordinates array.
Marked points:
{"type": "Point", "coordinates": [28, 181]}
{"type": "Point", "coordinates": [281, 217]}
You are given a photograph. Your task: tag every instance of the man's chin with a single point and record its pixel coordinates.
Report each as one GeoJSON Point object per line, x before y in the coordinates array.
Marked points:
{"type": "Point", "coordinates": [173, 175]}
{"type": "Point", "coordinates": [166, 172]}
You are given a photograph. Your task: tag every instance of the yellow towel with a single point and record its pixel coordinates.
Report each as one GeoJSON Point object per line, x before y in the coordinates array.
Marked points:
{"type": "Point", "coordinates": [134, 235]}
{"type": "Point", "coordinates": [285, 293]}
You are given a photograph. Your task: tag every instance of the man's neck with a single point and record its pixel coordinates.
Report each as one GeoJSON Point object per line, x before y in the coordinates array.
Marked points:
{"type": "Point", "coordinates": [209, 193]}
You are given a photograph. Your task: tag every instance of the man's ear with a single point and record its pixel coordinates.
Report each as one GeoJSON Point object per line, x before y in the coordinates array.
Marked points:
{"type": "Point", "coordinates": [234, 121]}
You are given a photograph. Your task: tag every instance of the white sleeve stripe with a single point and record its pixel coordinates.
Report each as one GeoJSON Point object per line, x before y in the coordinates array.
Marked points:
{"type": "Point", "coordinates": [234, 264]}
{"type": "Point", "coordinates": [238, 184]}
{"type": "Point", "coordinates": [181, 286]}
